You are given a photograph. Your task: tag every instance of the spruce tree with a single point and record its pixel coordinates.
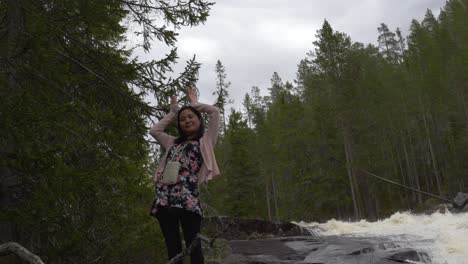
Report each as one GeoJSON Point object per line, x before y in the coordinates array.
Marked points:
{"type": "Point", "coordinates": [388, 43]}
{"type": "Point", "coordinates": [221, 92]}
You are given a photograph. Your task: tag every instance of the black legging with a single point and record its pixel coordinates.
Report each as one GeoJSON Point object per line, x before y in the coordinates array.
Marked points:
{"type": "Point", "coordinates": [169, 219]}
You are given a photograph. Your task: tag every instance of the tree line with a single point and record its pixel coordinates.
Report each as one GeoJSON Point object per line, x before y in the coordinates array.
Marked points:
{"type": "Point", "coordinates": [309, 150]}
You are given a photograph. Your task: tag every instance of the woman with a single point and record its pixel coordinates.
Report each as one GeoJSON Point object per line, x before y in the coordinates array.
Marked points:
{"type": "Point", "coordinates": [191, 158]}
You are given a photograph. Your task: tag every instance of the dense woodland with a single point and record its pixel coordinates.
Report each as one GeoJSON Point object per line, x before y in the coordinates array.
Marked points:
{"type": "Point", "coordinates": [311, 149]}
{"type": "Point", "coordinates": [76, 158]}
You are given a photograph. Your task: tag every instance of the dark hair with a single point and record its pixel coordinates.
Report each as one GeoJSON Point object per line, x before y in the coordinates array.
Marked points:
{"type": "Point", "coordinates": [182, 137]}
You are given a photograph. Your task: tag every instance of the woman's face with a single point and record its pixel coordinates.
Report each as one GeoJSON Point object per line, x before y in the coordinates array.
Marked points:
{"type": "Point", "coordinates": [189, 123]}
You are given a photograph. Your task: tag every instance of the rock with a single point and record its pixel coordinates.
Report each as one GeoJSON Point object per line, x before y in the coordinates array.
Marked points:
{"type": "Point", "coordinates": [225, 229]}
{"type": "Point", "coordinates": [232, 228]}
{"type": "Point", "coordinates": [258, 241]}
{"type": "Point", "coordinates": [409, 255]}
{"type": "Point", "coordinates": [465, 209]}
{"type": "Point", "coordinates": [460, 201]}
{"type": "Point", "coordinates": [235, 259]}
{"type": "Point", "coordinates": [326, 250]}
{"type": "Point", "coordinates": [441, 208]}
{"type": "Point", "coordinates": [219, 251]}
{"type": "Point", "coordinates": [272, 250]}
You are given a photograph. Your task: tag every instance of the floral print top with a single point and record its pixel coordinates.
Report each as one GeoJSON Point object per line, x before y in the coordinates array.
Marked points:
{"type": "Point", "coordinates": [183, 194]}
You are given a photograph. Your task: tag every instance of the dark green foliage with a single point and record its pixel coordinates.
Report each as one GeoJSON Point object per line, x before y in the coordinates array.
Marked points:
{"type": "Point", "coordinates": [75, 162]}
{"type": "Point", "coordinates": [241, 170]}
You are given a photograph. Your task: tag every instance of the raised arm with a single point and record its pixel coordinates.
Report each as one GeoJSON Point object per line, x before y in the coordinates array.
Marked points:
{"type": "Point", "coordinates": [213, 113]}
{"type": "Point", "coordinates": [157, 131]}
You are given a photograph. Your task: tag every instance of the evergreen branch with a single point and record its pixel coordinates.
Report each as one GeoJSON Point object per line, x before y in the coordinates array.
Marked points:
{"type": "Point", "coordinates": [154, 7]}
{"type": "Point", "coordinates": [103, 80]}
{"type": "Point", "coordinates": [79, 44]}
{"type": "Point", "coordinates": [151, 71]}
{"type": "Point", "coordinates": [83, 66]}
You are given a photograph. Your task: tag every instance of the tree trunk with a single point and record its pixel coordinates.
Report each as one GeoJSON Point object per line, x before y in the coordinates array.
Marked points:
{"type": "Point", "coordinates": [415, 173]}
{"type": "Point", "coordinates": [400, 166]}
{"type": "Point", "coordinates": [352, 180]}
{"type": "Point", "coordinates": [224, 122]}
{"type": "Point", "coordinates": [9, 181]}
{"type": "Point", "coordinates": [459, 88]}
{"type": "Point", "coordinates": [458, 170]}
{"type": "Point", "coordinates": [402, 171]}
{"type": "Point", "coordinates": [275, 196]}
{"type": "Point", "coordinates": [431, 150]}
{"type": "Point", "coordinates": [408, 170]}
{"type": "Point", "coordinates": [267, 195]}
{"type": "Point", "coordinates": [395, 171]}
{"type": "Point", "coordinates": [413, 177]}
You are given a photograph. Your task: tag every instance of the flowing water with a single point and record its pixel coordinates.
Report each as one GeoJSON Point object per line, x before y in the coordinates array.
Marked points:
{"type": "Point", "coordinates": [444, 236]}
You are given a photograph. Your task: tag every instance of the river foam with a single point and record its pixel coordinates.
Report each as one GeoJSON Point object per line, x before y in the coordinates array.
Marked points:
{"type": "Point", "coordinates": [444, 236]}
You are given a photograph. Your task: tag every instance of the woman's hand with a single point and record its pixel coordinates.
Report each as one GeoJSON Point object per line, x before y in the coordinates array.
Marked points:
{"type": "Point", "coordinates": [174, 106]}
{"type": "Point", "coordinates": [192, 95]}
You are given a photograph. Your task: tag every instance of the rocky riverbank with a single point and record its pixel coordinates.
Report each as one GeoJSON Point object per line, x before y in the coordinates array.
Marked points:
{"type": "Point", "coordinates": [264, 242]}
{"type": "Point", "coordinates": [257, 241]}
{"type": "Point", "coordinates": [332, 249]}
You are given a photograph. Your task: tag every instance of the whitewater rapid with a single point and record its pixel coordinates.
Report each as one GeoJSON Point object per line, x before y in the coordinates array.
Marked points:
{"type": "Point", "coordinates": [444, 236]}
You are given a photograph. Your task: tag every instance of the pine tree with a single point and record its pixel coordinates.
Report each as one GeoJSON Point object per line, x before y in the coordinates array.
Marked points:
{"type": "Point", "coordinates": [221, 92]}
{"type": "Point", "coordinates": [248, 105]}
{"type": "Point", "coordinates": [388, 43]}
{"type": "Point", "coordinates": [401, 45]}
{"type": "Point", "coordinates": [330, 64]}
{"type": "Point", "coordinates": [276, 86]}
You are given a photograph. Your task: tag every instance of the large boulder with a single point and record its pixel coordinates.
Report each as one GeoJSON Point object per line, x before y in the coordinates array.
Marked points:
{"type": "Point", "coordinates": [460, 201]}
{"type": "Point", "coordinates": [226, 229]}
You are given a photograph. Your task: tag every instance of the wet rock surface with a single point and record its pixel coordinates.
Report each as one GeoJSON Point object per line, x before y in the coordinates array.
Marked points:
{"type": "Point", "coordinates": [460, 201]}
{"type": "Point", "coordinates": [440, 208]}
{"type": "Point", "coordinates": [258, 241]}
{"type": "Point", "coordinates": [327, 250]}
{"type": "Point", "coordinates": [465, 209]}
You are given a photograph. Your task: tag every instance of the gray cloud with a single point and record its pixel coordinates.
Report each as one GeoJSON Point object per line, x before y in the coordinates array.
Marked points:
{"type": "Point", "coordinates": [254, 38]}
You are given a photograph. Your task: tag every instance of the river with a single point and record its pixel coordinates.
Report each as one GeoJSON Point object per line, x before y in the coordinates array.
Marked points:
{"type": "Point", "coordinates": [444, 236]}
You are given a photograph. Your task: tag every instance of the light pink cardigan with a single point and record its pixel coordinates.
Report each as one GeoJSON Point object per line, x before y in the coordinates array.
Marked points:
{"type": "Point", "coordinates": [209, 168]}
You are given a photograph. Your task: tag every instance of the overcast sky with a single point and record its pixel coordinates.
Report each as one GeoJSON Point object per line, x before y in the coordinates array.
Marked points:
{"type": "Point", "coordinates": [254, 38]}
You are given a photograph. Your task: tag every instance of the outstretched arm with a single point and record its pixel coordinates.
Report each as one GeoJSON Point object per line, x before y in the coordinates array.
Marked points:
{"type": "Point", "coordinates": [212, 111]}
{"type": "Point", "coordinates": [157, 131]}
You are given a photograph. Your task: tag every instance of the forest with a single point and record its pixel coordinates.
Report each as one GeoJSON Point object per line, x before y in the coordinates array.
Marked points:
{"type": "Point", "coordinates": [76, 161]}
